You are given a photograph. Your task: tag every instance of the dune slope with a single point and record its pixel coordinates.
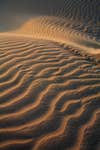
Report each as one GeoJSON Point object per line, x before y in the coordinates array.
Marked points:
{"type": "Point", "coordinates": [49, 96]}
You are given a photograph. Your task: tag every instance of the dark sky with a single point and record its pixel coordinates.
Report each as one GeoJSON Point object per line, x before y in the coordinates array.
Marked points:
{"type": "Point", "coordinates": [30, 6]}
{"type": "Point", "coordinates": [24, 9]}
{"type": "Point", "coordinates": [83, 10]}
{"type": "Point", "coordinates": [52, 6]}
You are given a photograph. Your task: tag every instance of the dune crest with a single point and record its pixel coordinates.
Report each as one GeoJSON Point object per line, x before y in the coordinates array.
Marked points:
{"type": "Point", "coordinates": [50, 28]}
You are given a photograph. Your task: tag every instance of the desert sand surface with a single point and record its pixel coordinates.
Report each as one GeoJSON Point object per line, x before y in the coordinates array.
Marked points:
{"type": "Point", "coordinates": [49, 75]}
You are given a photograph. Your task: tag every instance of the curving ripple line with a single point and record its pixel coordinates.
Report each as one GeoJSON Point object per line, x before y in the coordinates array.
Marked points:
{"type": "Point", "coordinates": [45, 90]}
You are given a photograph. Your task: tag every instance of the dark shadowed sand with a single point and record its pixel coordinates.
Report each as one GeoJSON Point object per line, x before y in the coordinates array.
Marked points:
{"type": "Point", "coordinates": [49, 75]}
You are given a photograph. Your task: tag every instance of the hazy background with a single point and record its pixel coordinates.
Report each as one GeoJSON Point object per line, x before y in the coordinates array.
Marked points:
{"type": "Point", "coordinates": [13, 13]}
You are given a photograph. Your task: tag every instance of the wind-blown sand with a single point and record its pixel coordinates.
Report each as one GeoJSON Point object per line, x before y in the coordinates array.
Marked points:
{"type": "Point", "coordinates": [50, 75]}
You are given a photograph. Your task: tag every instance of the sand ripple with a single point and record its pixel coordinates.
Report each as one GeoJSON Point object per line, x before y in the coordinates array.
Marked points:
{"type": "Point", "coordinates": [49, 96]}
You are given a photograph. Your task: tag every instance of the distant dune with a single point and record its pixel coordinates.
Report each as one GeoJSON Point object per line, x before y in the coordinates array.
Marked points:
{"type": "Point", "coordinates": [71, 22]}
{"type": "Point", "coordinates": [49, 74]}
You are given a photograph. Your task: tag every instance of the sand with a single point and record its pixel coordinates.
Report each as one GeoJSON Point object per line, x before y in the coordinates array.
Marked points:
{"type": "Point", "coordinates": [49, 75]}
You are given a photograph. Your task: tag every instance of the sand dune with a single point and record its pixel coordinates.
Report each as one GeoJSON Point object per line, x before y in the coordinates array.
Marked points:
{"type": "Point", "coordinates": [49, 75]}
{"type": "Point", "coordinates": [49, 96]}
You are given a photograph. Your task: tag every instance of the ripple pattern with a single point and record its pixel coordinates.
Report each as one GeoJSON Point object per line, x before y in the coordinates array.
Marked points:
{"type": "Point", "coordinates": [49, 96]}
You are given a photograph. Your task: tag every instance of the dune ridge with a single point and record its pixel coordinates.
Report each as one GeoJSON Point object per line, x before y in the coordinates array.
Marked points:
{"type": "Point", "coordinates": [49, 28]}
{"type": "Point", "coordinates": [65, 21]}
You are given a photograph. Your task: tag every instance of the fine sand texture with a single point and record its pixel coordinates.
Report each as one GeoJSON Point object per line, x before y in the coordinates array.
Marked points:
{"type": "Point", "coordinates": [49, 96]}
{"type": "Point", "coordinates": [49, 75]}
